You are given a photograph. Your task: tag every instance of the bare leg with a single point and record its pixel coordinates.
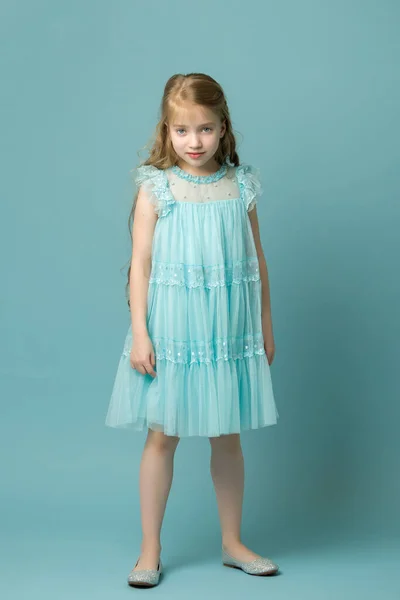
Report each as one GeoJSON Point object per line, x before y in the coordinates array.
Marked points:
{"type": "Point", "coordinates": [156, 473]}
{"type": "Point", "coordinates": [227, 471]}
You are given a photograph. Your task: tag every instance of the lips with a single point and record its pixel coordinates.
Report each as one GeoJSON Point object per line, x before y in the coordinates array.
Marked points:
{"type": "Point", "coordinates": [195, 153]}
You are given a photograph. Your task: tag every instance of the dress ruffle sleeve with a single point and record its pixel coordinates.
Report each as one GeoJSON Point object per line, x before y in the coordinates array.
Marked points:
{"type": "Point", "coordinates": [250, 185]}
{"type": "Point", "coordinates": [155, 183]}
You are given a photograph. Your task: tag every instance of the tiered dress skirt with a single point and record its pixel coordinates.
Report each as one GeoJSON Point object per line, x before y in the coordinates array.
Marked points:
{"type": "Point", "coordinates": [204, 321]}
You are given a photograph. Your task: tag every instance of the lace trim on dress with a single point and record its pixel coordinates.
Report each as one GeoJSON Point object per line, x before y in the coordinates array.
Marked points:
{"type": "Point", "coordinates": [206, 352]}
{"type": "Point", "coordinates": [200, 178]}
{"type": "Point", "coordinates": [249, 183]}
{"type": "Point", "coordinates": [156, 183]}
{"type": "Point", "coordinates": [203, 275]}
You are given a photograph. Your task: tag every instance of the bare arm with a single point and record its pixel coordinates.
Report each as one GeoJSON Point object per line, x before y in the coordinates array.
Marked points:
{"type": "Point", "coordinates": [266, 299]}
{"type": "Point", "coordinates": [144, 223]}
{"type": "Point", "coordinates": [268, 334]}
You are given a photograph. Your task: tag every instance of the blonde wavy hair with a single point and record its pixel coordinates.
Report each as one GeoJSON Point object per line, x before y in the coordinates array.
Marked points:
{"type": "Point", "coordinates": [192, 88]}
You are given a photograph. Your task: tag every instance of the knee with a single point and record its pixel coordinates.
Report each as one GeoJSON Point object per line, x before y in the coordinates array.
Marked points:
{"type": "Point", "coordinates": [226, 443]}
{"type": "Point", "coordinates": [161, 443]}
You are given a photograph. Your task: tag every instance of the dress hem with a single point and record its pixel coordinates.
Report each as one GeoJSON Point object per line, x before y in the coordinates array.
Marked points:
{"type": "Point", "coordinates": [134, 426]}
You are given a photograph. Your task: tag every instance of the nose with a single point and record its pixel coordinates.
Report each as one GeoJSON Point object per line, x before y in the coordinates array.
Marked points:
{"type": "Point", "coordinates": [195, 142]}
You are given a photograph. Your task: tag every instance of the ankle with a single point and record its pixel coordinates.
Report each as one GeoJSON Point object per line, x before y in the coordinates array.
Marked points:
{"type": "Point", "coordinates": [231, 544]}
{"type": "Point", "coordinates": [150, 547]}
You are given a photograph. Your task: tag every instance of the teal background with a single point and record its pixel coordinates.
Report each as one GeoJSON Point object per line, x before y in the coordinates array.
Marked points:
{"type": "Point", "coordinates": [313, 89]}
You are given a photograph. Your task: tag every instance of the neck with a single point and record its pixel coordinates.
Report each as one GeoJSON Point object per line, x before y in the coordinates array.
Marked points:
{"type": "Point", "coordinates": [212, 166]}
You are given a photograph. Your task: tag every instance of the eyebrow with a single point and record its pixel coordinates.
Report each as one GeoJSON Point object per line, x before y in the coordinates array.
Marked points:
{"type": "Point", "coordinates": [203, 125]}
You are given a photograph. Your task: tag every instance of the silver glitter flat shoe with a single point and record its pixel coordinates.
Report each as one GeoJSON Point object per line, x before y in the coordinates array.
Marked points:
{"type": "Point", "coordinates": [259, 566]}
{"type": "Point", "coordinates": [145, 577]}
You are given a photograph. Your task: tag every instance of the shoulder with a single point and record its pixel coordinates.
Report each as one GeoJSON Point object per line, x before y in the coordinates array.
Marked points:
{"type": "Point", "coordinates": [249, 179]}
{"type": "Point", "coordinates": [147, 173]}
{"type": "Point", "coordinates": [247, 173]}
{"type": "Point", "coordinates": [153, 183]}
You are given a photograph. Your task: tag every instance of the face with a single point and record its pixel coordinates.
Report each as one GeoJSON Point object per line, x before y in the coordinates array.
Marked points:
{"type": "Point", "coordinates": [195, 133]}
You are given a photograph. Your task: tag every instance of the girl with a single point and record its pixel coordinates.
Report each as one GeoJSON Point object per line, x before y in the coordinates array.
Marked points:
{"type": "Point", "coordinates": [197, 354]}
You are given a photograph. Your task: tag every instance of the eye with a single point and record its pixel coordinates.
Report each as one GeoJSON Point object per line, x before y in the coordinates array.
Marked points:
{"type": "Point", "coordinates": [209, 128]}
{"type": "Point", "coordinates": [178, 130]}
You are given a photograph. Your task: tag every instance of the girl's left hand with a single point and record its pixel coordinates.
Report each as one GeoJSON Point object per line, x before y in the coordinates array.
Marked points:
{"type": "Point", "coordinates": [269, 343]}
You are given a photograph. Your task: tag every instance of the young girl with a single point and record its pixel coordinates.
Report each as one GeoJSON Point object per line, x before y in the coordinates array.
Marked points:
{"type": "Point", "coordinates": [197, 354]}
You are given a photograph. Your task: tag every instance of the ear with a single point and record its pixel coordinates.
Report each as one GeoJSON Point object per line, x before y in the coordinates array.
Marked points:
{"type": "Point", "coordinates": [223, 128]}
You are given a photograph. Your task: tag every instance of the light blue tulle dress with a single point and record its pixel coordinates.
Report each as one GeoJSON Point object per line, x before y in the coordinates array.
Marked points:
{"type": "Point", "coordinates": [203, 311]}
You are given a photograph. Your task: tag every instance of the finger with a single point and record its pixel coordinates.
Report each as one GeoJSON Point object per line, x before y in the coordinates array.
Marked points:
{"type": "Point", "coordinates": [150, 370]}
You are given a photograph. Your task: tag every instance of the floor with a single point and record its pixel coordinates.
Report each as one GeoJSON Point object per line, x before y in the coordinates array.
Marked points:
{"type": "Point", "coordinates": [80, 565]}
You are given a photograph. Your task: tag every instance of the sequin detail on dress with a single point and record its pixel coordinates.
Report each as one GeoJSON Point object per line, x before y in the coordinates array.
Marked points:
{"type": "Point", "coordinates": [205, 275]}
{"type": "Point", "coordinates": [180, 352]}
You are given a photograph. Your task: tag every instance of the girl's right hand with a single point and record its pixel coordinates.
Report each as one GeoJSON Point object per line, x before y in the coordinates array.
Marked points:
{"type": "Point", "coordinates": [142, 355]}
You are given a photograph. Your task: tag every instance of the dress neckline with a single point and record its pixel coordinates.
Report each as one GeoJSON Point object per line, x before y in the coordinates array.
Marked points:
{"type": "Point", "coordinates": [200, 178]}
